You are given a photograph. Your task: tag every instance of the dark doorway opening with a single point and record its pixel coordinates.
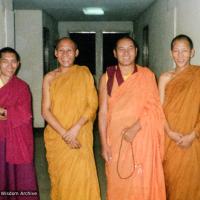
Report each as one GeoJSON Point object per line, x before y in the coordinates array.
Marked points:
{"type": "Point", "coordinates": [87, 49]}
{"type": "Point", "coordinates": [145, 46]}
{"type": "Point", "coordinates": [109, 40]}
{"type": "Point", "coordinates": [46, 65]}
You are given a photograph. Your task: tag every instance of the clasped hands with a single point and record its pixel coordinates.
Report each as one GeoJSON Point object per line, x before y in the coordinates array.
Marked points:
{"type": "Point", "coordinates": [181, 140]}
{"type": "Point", "coordinates": [3, 113]}
{"type": "Point", "coordinates": [70, 137]}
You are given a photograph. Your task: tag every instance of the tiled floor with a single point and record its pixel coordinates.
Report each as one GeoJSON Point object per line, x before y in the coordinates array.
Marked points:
{"type": "Point", "coordinates": [41, 165]}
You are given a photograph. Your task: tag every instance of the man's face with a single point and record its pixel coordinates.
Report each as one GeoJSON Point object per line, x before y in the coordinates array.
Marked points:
{"type": "Point", "coordinates": [182, 53]}
{"type": "Point", "coordinates": [125, 52]}
{"type": "Point", "coordinates": [8, 64]}
{"type": "Point", "coordinates": [66, 53]}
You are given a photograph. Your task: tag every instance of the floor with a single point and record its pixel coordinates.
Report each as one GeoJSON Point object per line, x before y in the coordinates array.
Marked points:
{"type": "Point", "coordinates": [41, 165]}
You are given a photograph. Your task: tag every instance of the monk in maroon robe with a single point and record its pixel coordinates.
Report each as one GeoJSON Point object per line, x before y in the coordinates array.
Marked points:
{"type": "Point", "coordinates": [17, 172]}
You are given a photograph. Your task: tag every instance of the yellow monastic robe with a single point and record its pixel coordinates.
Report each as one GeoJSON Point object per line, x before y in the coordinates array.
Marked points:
{"type": "Point", "coordinates": [182, 110]}
{"type": "Point", "coordinates": [72, 171]}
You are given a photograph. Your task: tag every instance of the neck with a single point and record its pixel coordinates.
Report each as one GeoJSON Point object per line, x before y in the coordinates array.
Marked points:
{"type": "Point", "coordinates": [65, 69]}
{"type": "Point", "coordinates": [180, 69]}
{"type": "Point", "coordinates": [125, 70]}
{"type": "Point", "coordinates": [4, 79]}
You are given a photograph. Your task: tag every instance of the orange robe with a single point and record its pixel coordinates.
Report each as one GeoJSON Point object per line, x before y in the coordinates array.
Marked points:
{"type": "Point", "coordinates": [135, 98]}
{"type": "Point", "coordinates": [182, 110]}
{"type": "Point", "coordinates": [72, 171]}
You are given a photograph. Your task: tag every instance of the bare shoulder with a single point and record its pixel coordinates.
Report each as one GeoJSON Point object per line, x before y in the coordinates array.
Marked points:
{"type": "Point", "coordinates": [103, 77]}
{"type": "Point", "coordinates": [51, 76]}
{"type": "Point", "coordinates": [103, 80]}
{"type": "Point", "coordinates": [168, 74]}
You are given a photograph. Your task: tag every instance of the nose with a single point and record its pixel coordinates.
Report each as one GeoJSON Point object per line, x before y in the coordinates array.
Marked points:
{"type": "Point", "coordinates": [126, 51]}
{"type": "Point", "coordinates": [11, 65]}
{"type": "Point", "coordinates": [180, 53]}
{"type": "Point", "coordinates": [66, 52]}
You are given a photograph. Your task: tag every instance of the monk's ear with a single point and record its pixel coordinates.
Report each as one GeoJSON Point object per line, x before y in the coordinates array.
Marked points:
{"type": "Point", "coordinates": [56, 53]}
{"type": "Point", "coordinates": [76, 53]}
{"type": "Point", "coordinates": [115, 53]}
{"type": "Point", "coordinates": [192, 53]}
{"type": "Point", "coordinates": [171, 54]}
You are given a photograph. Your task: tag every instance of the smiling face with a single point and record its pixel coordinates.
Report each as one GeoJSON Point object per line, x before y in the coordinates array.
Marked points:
{"type": "Point", "coordinates": [182, 53]}
{"type": "Point", "coordinates": [125, 52]}
{"type": "Point", "coordinates": [66, 52]}
{"type": "Point", "coordinates": [8, 65]}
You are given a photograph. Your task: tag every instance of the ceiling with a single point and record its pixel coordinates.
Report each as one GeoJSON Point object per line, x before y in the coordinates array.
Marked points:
{"type": "Point", "coordinates": [71, 10]}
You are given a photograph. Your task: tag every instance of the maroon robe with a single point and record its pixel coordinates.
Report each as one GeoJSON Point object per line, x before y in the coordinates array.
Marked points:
{"type": "Point", "coordinates": [17, 172]}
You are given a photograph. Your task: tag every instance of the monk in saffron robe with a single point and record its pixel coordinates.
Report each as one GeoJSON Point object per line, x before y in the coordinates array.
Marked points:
{"type": "Point", "coordinates": [17, 172]}
{"type": "Point", "coordinates": [69, 106]}
{"type": "Point", "coordinates": [131, 124]}
{"type": "Point", "coordinates": [180, 95]}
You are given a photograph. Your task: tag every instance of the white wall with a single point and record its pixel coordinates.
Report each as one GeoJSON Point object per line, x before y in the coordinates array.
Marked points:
{"type": "Point", "coordinates": [29, 44]}
{"type": "Point", "coordinates": [166, 19]}
{"type": "Point", "coordinates": [6, 23]}
{"type": "Point", "coordinates": [64, 28]}
{"type": "Point", "coordinates": [188, 22]}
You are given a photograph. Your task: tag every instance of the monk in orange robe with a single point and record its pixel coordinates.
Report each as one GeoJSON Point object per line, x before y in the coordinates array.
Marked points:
{"type": "Point", "coordinates": [131, 124]}
{"type": "Point", "coordinates": [69, 105]}
{"type": "Point", "coordinates": [180, 95]}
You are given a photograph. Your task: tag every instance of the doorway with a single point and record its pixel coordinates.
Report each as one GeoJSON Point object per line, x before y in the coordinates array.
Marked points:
{"type": "Point", "coordinates": [46, 65]}
{"type": "Point", "coordinates": [87, 49]}
{"type": "Point", "coordinates": [145, 46]}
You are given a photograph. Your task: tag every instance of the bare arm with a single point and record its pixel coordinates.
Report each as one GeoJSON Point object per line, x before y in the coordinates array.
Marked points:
{"type": "Point", "coordinates": [51, 119]}
{"type": "Point", "coordinates": [46, 106]}
{"type": "Point", "coordinates": [102, 116]}
{"type": "Point", "coordinates": [163, 81]}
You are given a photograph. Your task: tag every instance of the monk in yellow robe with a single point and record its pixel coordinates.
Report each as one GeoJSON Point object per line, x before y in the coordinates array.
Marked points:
{"type": "Point", "coordinates": [69, 105]}
{"type": "Point", "coordinates": [180, 95]}
{"type": "Point", "coordinates": [131, 124]}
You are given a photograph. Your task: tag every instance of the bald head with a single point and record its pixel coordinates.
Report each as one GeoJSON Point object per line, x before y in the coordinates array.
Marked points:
{"type": "Point", "coordinates": [59, 41]}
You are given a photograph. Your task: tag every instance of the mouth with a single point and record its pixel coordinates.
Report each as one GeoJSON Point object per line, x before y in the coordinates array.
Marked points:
{"type": "Point", "coordinates": [180, 61]}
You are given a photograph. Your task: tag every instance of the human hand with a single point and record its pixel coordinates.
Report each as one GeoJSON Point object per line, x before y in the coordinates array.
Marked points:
{"type": "Point", "coordinates": [175, 136]}
{"type": "Point", "coordinates": [186, 140]}
{"type": "Point", "coordinates": [129, 133]}
{"type": "Point", "coordinates": [3, 114]}
{"type": "Point", "coordinates": [70, 137]}
{"type": "Point", "coordinates": [74, 144]}
{"type": "Point", "coordinates": [106, 153]}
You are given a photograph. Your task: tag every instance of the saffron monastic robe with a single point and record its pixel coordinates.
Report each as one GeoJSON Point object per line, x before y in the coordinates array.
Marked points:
{"type": "Point", "coordinates": [17, 172]}
{"type": "Point", "coordinates": [72, 171]}
{"type": "Point", "coordinates": [135, 98]}
{"type": "Point", "coordinates": [182, 110]}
